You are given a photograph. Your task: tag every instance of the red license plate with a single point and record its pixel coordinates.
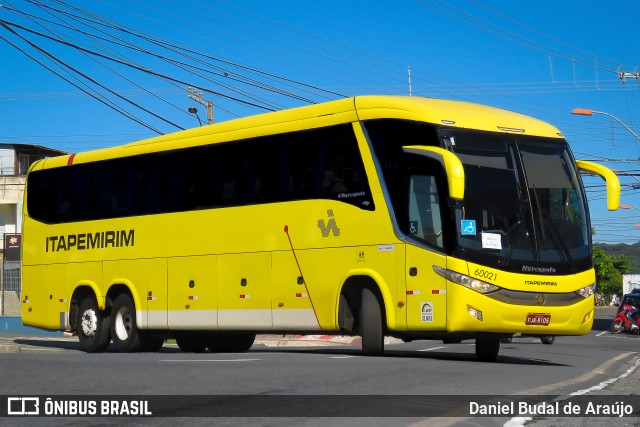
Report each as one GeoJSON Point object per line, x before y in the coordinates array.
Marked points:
{"type": "Point", "coordinates": [538, 319]}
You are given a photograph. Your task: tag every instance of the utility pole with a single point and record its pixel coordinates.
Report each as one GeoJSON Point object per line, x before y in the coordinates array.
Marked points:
{"type": "Point", "coordinates": [197, 96]}
{"type": "Point", "coordinates": [624, 75]}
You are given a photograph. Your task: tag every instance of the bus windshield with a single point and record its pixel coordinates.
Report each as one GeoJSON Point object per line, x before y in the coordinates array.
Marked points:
{"type": "Point", "coordinates": [524, 208]}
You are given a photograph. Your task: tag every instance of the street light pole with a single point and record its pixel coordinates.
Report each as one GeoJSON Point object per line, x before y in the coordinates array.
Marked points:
{"type": "Point", "coordinates": [585, 112]}
{"type": "Point", "coordinates": [628, 207]}
{"type": "Point", "coordinates": [197, 96]}
{"type": "Point", "coordinates": [193, 110]}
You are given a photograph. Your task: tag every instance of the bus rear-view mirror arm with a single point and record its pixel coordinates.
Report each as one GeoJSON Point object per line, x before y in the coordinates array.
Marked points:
{"type": "Point", "coordinates": [452, 166]}
{"type": "Point", "coordinates": [613, 183]}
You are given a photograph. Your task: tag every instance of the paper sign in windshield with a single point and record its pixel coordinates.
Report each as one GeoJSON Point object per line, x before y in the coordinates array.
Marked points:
{"type": "Point", "coordinates": [491, 241]}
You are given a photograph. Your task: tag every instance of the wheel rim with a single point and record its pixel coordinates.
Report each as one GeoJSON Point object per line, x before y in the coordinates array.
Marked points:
{"type": "Point", "coordinates": [89, 323]}
{"type": "Point", "coordinates": [617, 327]}
{"type": "Point", "coordinates": [123, 324]}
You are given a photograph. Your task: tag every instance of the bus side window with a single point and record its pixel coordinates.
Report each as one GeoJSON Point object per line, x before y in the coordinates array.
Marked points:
{"type": "Point", "coordinates": [268, 186]}
{"type": "Point", "coordinates": [301, 165]}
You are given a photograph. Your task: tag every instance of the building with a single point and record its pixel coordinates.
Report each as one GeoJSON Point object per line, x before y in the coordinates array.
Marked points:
{"type": "Point", "coordinates": [15, 160]}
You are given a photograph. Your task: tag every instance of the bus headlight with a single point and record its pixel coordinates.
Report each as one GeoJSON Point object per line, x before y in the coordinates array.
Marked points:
{"type": "Point", "coordinates": [587, 291]}
{"type": "Point", "coordinates": [466, 281]}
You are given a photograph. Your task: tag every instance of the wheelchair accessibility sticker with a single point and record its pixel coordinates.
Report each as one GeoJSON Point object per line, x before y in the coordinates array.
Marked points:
{"type": "Point", "coordinates": [468, 227]}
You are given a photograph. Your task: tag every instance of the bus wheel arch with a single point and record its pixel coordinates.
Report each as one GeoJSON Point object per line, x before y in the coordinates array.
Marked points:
{"type": "Point", "coordinates": [361, 311]}
{"type": "Point", "coordinates": [90, 323]}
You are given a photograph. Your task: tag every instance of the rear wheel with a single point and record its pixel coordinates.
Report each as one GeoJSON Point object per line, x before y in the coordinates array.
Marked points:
{"type": "Point", "coordinates": [371, 328]}
{"type": "Point", "coordinates": [92, 327]}
{"type": "Point", "coordinates": [124, 331]}
{"type": "Point", "coordinates": [231, 343]}
{"type": "Point", "coordinates": [487, 349]}
{"type": "Point", "coordinates": [617, 326]}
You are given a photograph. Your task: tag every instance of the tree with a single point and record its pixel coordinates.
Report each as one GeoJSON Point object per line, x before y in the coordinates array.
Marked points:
{"type": "Point", "coordinates": [609, 271]}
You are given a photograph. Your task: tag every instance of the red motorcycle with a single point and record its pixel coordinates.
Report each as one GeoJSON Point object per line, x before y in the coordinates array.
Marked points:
{"type": "Point", "coordinates": [628, 317]}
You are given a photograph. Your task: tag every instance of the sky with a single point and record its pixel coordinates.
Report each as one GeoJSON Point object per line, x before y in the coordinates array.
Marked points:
{"type": "Point", "coordinates": [119, 71]}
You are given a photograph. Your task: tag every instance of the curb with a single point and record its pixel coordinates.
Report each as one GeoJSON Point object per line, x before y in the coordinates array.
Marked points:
{"type": "Point", "coordinates": [314, 340]}
{"type": "Point", "coordinates": [10, 348]}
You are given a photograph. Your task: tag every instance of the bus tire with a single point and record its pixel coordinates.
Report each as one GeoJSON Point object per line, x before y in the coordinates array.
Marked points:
{"type": "Point", "coordinates": [92, 327]}
{"type": "Point", "coordinates": [547, 339]}
{"type": "Point", "coordinates": [191, 342]}
{"type": "Point", "coordinates": [231, 343]}
{"type": "Point", "coordinates": [371, 328]}
{"type": "Point", "coordinates": [487, 349]}
{"type": "Point", "coordinates": [124, 331]}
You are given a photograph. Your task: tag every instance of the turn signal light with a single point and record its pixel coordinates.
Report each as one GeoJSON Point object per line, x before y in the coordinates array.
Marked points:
{"type": "Point", "coordinates": [475, 313]}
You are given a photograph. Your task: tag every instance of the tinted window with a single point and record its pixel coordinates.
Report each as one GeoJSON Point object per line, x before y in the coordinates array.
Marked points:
{"type": "Point", "coordinates": [414, 183]}
{"type": "Point", "coordinates": [317, 164]}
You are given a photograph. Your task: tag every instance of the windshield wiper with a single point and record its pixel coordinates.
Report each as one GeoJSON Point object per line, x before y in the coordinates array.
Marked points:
{"type": "Point", "coordinates": [563, 249]}
{"type": "Point", "coordinates": [512, 236]}
{"type": "Point", "coordinates": [511, 242]}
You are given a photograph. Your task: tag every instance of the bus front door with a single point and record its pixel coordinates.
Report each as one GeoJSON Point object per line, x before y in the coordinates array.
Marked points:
{"type": "Point", "coordinates": [426, 290]}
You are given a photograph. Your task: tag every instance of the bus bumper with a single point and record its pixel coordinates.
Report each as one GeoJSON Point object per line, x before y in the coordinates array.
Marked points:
{"type": "Point", "coordinates": [470, 311]}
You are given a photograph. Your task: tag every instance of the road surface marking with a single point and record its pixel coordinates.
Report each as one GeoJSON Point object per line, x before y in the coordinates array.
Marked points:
{"type": "Point", "coordinates": [209, 360]}
{"type": "Point", "coordinates": [432, 348]}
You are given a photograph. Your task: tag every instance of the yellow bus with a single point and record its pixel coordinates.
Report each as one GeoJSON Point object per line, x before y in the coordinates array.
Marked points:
{"type": "Point", "coordinates": [374, 216]}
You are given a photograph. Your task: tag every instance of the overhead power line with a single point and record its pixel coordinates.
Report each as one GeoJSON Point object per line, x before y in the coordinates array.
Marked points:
{"type": "Point", "coordinates": [115, 108]}
{"type": "Point", "coordinates": [8, 24]}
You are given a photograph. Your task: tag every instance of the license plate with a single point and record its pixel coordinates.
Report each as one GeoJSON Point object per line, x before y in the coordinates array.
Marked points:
{"type": "Point", "coordinates": [538, 319]}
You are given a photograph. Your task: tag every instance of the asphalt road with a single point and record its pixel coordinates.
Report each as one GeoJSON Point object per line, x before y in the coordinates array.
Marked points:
{"type": "Point", "coordinates": [423, 368]}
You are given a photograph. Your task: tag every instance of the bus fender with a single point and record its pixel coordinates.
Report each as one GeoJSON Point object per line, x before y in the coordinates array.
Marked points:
{"type": "Point", "coordinates": [100, 298]}
{"type": "Point", "coordinates": [125, 283]}
{"type": "Point", "coordinates": [382, 286]}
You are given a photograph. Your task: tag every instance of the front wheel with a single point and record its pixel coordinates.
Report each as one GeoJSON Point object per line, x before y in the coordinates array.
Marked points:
{"type": "Point", "coordinates": [548, 339]}
{"type": "Point", "coordinates": [371, 327]}
{"type": "Point", "coordinates": [487, 349]}
{"type": "Point", "coordinates": [617, 326]}
{"type": "Point", "coordinates": [92, 327]}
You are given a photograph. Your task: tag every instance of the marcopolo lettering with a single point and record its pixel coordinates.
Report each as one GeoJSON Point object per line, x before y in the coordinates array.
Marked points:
{"type": "Point", "coordinates": [97, 240]}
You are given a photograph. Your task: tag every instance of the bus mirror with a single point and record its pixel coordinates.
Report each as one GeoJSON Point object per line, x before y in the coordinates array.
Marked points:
{"type": "Point", "coordinates": [452, 166]}
{"type": "Point", "coordinates": [613, 183]}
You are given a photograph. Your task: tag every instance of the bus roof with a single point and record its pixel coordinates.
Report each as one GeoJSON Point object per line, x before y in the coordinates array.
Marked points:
{"type": "Point", "coordinates": [437, 111]}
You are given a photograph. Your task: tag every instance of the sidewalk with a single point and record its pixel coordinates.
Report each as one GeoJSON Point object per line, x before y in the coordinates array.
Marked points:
{"type": "Point", "coordinates": [624, 382]}
{"type": "Point", "coordinates": [313, 340]}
